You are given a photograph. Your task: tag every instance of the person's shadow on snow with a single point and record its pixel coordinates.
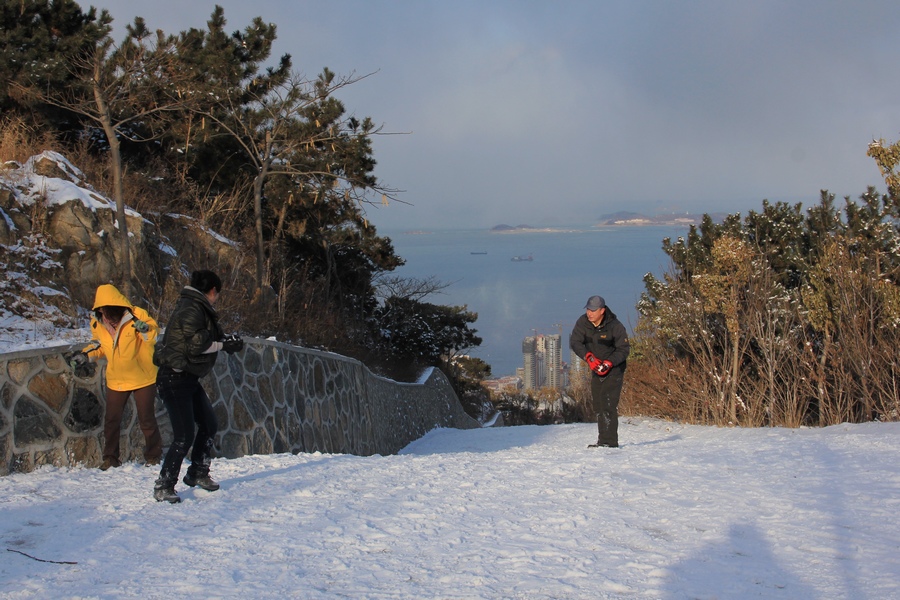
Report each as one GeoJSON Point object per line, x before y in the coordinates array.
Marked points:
{"type": "Point", "coordinates": [740, 566]}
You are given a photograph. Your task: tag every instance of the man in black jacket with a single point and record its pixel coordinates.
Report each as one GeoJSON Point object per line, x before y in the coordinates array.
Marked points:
{"type": "Point", "coordinates": [602, 342]}
{"type": "Point", "coordinates": [187, 352]}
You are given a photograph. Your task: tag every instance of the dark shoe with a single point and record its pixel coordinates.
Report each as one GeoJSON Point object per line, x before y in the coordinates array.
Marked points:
{"type": "Point", "coordinates": [599, 445]}
{"type": "Point", "coordinates": [202, 481]}
{"type": "Point", "coordinates": [166, 494]}
{"type": "Point", "coordinates": [109, 463]}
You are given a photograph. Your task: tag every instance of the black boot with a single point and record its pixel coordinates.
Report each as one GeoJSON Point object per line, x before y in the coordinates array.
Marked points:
{"type": "Point", "coordinates": [164, 490]}
{"type": "Point", "coordinates": [200, 478]}
{"type": "Point", "coordinates": [198, 472]}
{"type": "Point", "coordinates": [599, 445]}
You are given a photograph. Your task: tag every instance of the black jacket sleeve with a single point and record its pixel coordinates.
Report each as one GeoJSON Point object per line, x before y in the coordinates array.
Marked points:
{"type": "Point", "coordinates": [578, 337]}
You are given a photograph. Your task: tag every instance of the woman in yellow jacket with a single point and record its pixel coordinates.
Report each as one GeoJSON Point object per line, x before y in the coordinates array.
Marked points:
{"type": "Point", "coordinates": [126, 335]}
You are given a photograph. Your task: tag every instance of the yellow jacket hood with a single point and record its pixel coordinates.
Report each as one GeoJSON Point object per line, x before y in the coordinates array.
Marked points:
{"type": "Point", "coordinates": [109, 295]}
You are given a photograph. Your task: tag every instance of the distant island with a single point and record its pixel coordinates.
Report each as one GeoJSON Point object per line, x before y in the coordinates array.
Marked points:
{"type": "Point", "coordinates": [620, 219]}
{"type": "Point", "coordinates": [527, 228]}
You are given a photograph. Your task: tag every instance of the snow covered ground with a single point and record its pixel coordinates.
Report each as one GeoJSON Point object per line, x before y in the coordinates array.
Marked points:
{"type": "Point", "coordinates": [520, 512]}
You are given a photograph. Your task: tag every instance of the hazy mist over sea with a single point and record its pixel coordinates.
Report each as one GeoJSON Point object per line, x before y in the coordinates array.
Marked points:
{"type": "Point", "coordinates": [546, 294]}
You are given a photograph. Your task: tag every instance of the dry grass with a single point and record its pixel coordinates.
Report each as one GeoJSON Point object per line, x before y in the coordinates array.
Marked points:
{"type": "Point", "coordinates": [19, 142]}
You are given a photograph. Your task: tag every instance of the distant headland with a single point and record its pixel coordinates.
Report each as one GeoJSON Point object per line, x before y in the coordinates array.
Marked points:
{"type": "Point", "coordinates": [620, 219]}
{"type": "Point", "coordinates": [617, 219]}
{"type": "Point", "coordinates": [632, 218]}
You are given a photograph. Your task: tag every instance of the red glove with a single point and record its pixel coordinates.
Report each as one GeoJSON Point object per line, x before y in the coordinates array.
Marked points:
{"type": "Point", "coordinates": [592, 361]}
{"type": "Point", "coordinates": [604, 368]}
{"type": "Point", "coordinates": [600, 367]}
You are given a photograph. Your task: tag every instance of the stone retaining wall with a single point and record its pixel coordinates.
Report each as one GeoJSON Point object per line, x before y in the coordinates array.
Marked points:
{"type": "Point", "coordinates": [269, 398]}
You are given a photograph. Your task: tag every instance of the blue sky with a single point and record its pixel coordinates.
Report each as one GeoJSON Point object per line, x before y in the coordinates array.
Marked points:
{"type": "Point", "coordinates": [557, 113]}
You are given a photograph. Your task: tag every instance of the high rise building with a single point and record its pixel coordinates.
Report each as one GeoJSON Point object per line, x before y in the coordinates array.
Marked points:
{"type": "Point", "coordinates": [553, 361]}
{"type": "Point", "coordinates": [529, 378]}
{"type": "Point", "coordinates": [542, 357]}
{"type": "Point", "coordinates": [576, 365]}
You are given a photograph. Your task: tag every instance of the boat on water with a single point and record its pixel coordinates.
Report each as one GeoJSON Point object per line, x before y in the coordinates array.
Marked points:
{"type": "Point", "coordinates": [483, 252]}
{"type": "Point", "coordinates": [522, 258]}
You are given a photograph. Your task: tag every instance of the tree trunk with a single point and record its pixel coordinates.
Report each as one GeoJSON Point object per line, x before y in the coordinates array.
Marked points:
{"type": "Point", "coordinates": [260, 238]}
{"type": "Point", "coordinates": [115, 158]}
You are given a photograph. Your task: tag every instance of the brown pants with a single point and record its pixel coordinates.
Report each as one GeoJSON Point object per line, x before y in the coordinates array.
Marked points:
{"type": "Point", "coordinates": [115, 405]}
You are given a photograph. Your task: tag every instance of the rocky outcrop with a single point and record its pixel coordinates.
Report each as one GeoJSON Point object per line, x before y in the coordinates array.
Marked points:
{"type": "Point", "coordinates": [59, 237]}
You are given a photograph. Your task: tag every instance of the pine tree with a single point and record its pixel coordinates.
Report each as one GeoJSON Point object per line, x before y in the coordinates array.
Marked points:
{"type": "Point", "coordinates": [38, 38]}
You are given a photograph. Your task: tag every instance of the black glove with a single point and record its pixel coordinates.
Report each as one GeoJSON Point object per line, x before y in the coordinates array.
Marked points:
{"type": "Point", "coordinates": [77, 359]}
{"type": "Point", "coordinates": [79, 363]}
{"type": "Point", "coordinates": [232, 343]}
{"type": "Point", "coordinates": [140, 326]}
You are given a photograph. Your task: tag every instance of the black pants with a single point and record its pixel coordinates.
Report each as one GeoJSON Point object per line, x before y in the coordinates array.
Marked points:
{"type": "Point", "coordinates": [605, 392]}
{"type": "Point", "coordinates": [187, 403]}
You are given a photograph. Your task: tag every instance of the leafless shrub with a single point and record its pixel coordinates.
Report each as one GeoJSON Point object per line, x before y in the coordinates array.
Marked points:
{"type": "Point", "coordinates": [652, 390]}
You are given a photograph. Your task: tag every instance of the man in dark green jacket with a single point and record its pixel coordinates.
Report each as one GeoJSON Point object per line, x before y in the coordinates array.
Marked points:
{"type": "Point", "coordinates": [187, 352]}
{"type": "Point", "coordinates": [602, 342]}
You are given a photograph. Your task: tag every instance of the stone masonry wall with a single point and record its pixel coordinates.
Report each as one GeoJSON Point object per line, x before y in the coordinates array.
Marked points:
{"type": "Point", "coordinates": [269, 398]}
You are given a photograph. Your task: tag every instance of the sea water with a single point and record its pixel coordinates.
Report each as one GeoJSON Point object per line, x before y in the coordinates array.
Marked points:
{"type": "Point", "coordinates": [544, 295]}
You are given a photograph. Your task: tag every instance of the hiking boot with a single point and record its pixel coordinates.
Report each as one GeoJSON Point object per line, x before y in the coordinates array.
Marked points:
{"type": "Point", "coordinates": [599, 445]}
{"type": "Point", "coordinates": [164, 492]}
{"type": "Point", "coordinates": [202, 481]}
{"type": "Point", "coordinates": [109, 463]}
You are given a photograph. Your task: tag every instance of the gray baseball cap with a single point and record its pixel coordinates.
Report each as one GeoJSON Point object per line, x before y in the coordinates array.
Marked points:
{"type": "Point", "coordinates": [595, 303]}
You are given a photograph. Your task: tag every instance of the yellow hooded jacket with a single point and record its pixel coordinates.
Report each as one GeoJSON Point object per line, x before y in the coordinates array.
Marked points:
{"type": "Point", "coordinates": [129, 354]}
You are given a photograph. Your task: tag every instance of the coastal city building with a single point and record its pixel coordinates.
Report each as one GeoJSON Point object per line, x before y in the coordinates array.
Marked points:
{"type": "Point", "coordinates": [531, 358]}
{"type": "Point", "coordinates": [542, 367]}
{"type": "Point", "coordinates": [543, 364]}
{"type": "Point", "coordinates": [510, 384]}
{"type": "Point", "coordinates": [577, 367]}
{"type": "Point", "coordinates": [553, 361]}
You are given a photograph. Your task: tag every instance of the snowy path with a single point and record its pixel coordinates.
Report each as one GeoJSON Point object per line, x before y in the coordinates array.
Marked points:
{"type": "Point", "coordinates": [519, 512]}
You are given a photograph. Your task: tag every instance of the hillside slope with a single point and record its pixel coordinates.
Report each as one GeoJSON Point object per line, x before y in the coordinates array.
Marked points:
{"type": "Point", "coordinates": [57, 244]}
